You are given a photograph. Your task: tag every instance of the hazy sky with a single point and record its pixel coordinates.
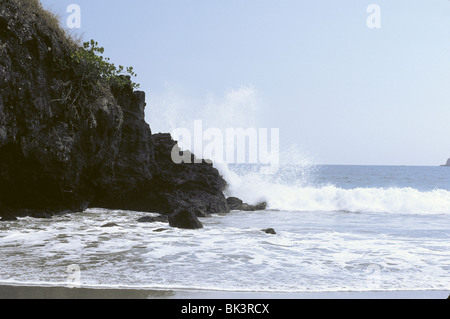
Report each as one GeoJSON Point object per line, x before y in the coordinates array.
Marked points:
{"type": "Point", "coordinates": [340, 92]}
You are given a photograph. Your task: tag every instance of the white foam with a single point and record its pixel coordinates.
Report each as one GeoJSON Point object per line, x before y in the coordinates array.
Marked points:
{"type": "Point", "coordinates": [281, 194]}
{"type": "Point", "coordinates": [230, 253]}
{"type": "Point", "coordinates": [373, 200]}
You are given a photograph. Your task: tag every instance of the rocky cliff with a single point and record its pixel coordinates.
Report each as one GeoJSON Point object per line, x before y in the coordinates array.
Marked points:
{"type": "Point", "coordinates": [65, 147]}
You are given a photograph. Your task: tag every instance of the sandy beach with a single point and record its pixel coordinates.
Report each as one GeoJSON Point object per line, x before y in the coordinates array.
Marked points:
{"type": "Point", "coordinates": [34, 292]}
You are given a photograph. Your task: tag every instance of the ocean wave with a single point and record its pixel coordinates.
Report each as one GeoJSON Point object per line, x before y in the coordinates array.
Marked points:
{"type": "Point", "coordinates": [371, 200]}
{"type": "Point", "coordinates": [293, 196]}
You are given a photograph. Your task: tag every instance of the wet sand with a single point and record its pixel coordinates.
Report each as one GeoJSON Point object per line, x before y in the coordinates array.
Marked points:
{"type": "Point", "coordinates": [24, 292]}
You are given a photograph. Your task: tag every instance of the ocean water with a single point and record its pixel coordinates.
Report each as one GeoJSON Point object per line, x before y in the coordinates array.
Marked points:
{"type": "Point", "coordinates": [339, 228]}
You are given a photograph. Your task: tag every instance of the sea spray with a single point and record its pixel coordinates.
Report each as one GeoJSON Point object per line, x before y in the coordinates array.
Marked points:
{"type": "Point", "coordinates": [257, 183]}
{"type": "Point", "coordinates": [297, 183]}
{"type": "Point", "coordinates": [237, 108]}
{"type": "Point", "coordinates": [296, 188]}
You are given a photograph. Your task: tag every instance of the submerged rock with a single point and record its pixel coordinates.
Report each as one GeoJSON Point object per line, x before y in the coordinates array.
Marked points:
{"type": "Point", "coordinates": [41, 215]}
{"type": "Point", "coordinates": [8, 219]}
{"type": "Point", "coordinates": [160, 230]}
{"type": "Point", "coordinates": [109, 225]}
{"type": "Point", "coordinates": [235, 203]}
{"type": "Point", "coordinates": [153, 219]}
{"type": "Point", "coordinates": [269, 231]}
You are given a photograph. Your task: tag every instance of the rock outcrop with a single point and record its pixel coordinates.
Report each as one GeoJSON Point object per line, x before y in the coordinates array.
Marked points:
{"type": "Point", "coordinates": [448, 163]}
{"type": "Point", "coordinates": [237, 204]}
{"type": "Point", "coordinates": [196, 187]}
{"type": "Point", "coordinates": [66, 147]}
{"type": "Point", "coordinates": [185, 219]}
{"type": "Point", "coordinates": [53, 142]}
{"type": "Point", "coordinates": [151, 219]}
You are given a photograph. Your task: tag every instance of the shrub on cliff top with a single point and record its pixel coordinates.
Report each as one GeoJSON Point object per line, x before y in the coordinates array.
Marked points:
{"type": "Point", "coordinates": [78, 69]}
{"type": "Point", "coordinates": [86, 59]}
{"type": "Point", "coordinates": [93, 67]}
{"type": "Point", "coordinates": [88, 72]}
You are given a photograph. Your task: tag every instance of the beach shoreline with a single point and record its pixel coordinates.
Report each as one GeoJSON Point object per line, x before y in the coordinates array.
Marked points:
{"type": "Point", "coordinates": [37, 292]}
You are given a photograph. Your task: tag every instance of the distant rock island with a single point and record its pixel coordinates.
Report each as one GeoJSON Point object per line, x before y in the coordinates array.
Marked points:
{"type": "Point", "coordinates": [448, 163]}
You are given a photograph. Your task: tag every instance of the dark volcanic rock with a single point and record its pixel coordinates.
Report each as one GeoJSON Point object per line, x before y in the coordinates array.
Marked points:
{"type": "Point", "coordinates": [65, 147]}
{"type": "Point", "coordinates": [269, 231]}
{"type": "Point", "coordinates": [184, 219]}
{"type": "Point", "coordinates": [151, 219]}
{"type": "Point", "coordinates": [234, 203]}
{"type": "Point", "coordinates": [53, 140]}
{"type": "Point", "coordinates": [237, 204]}
{"type": "Point", "coordinates": [160, 230]}
{"type": "Point", "coordinates": [195, 187]}
{"type": "Point", "coordinates": [125, 182]}
{"type": "Point", "coordinates": [8, 219]}
{"type": "Point", "coordinates": [40, 214]}
{"type": "Point", "coordinates": [109, 225]}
